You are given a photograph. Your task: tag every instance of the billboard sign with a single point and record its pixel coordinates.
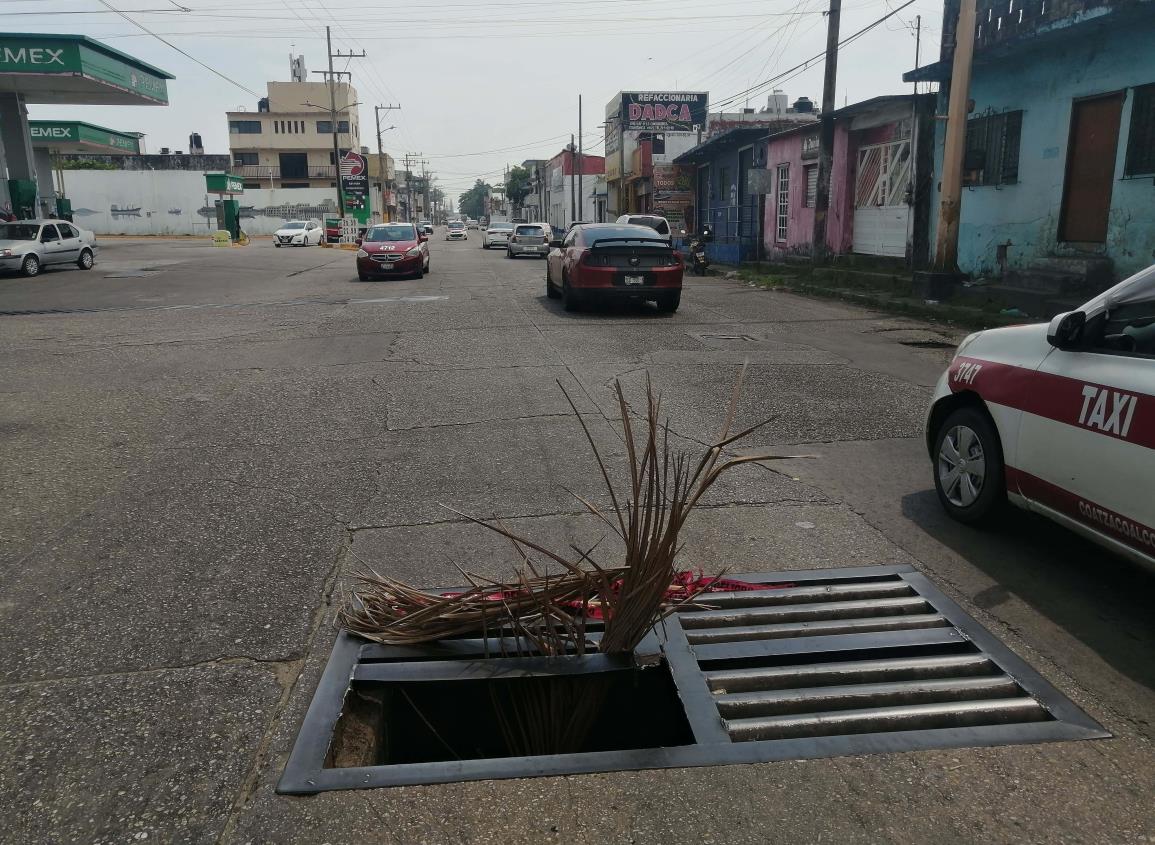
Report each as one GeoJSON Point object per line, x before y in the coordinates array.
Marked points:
{"type": "Point", "coordinates": [664, 111]}
{"type": "Point", "coordinates": [355, 185]}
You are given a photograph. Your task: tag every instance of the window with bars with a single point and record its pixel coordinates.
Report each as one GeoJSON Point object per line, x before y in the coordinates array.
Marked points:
{"type": "Point", "coordinates": [1141, 137]}
{"type": "Point", "coordinates": [783, 197]}
{"type": "Point", "coordinates": [811, 197]}
{"type": "Point", "coordinates": [992, 149]}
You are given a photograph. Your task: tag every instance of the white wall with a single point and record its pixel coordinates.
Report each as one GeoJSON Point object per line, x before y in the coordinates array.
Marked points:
{"type": "Point", "coordinates": [174, 202]}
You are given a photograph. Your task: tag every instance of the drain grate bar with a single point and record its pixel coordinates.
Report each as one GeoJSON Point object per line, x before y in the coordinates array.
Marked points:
{"type": "Point", "coordinates": [798, 612]}
{"type": "Point", "coordinates": [953, 714]}
{"type": "Point", "coordinates": [787, 630]}
{"type": "Point", "coordinates": [744, 705]}
{"type": "Point", "coordinates": [752, 649]}
{"type": "Point", "coordinates": [863, 671]}
{"type": "Point", "coordinates": [798, 595]}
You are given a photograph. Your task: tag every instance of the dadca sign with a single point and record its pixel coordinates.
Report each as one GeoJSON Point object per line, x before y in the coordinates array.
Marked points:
{"type": "Point", "coordinates": [665, 111]}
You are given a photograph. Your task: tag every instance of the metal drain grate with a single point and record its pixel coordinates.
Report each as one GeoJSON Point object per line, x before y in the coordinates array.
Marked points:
{"type": "Point", "coordinates": [846, 661]}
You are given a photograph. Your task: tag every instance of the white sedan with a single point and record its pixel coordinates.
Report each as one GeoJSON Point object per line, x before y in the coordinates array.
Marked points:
{"type": "Point", "coordinates": [299, 233]}
{"type": "Point", "coordinates": [1059, 419]}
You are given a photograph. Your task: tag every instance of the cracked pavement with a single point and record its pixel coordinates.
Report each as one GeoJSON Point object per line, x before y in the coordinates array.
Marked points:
{"type": "Point", "coordinates": [192, 463]}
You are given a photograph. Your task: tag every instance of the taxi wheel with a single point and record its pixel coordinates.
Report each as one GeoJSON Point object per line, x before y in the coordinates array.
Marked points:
{"type": "Point", "coordinates": [969, 474]}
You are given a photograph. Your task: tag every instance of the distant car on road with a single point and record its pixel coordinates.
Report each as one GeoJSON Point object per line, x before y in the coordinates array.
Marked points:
{"type": "Point", "coordinates": [299, 233]}
{"type": "Point", "coordinates": [393, 249]}
{"type": "Point", "coordinates": [1059, 419]}
{"type": "Point", "coordinates": [659, 224]}
{"type": "Point", "coordinates": [497, 233]}
{"type": "Point", "coordinates": [455, 231]}
{"type": "Point", "coordinates": [29, 246]}
{"type": "Point", "coordinates": [529, 239]}
{"type": "Point", "coordinates": [614, 261]}
{"type": "Point", "coordinates": [470, 223]}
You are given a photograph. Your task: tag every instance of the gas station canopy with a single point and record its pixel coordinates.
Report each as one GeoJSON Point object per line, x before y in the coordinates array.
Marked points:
{"type": "Point", "coordinates": [75, 69]}
{"type": "Point", "coordinates": [73, 136]}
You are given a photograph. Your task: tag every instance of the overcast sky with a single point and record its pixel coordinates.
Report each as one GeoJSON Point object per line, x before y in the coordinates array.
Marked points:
{"type": "Point", "coordinates": [481, 84]}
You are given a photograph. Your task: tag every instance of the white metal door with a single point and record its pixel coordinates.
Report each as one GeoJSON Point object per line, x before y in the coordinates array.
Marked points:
{"type": "Point", "coordinates": [881, 213]}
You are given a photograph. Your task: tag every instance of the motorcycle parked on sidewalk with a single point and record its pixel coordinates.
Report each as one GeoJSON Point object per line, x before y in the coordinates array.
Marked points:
{"type": "Point", "coordinates": [699, 263]}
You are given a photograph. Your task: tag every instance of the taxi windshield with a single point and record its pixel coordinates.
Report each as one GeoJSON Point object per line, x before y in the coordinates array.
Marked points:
{"type": "Point", "coordinates": [391, 233]}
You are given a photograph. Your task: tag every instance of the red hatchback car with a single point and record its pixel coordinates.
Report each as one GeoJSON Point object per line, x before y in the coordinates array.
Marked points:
{"type": "Point", "coordinates": [393, 249]}
{"type": "Point", "coordinates": [614, 261]}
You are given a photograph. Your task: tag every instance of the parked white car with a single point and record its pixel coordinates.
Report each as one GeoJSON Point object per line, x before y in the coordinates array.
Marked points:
{"type": "Point", "coordinates": [659, 224]}
{"type": "Point", "coordinates": [29, 246]}
{"type": "Point", "coordinates": [299, 233]}
{"type": "Point", "coordinates": [1059, 419]}
{"type": "Point", "coordinates": [497, 233]}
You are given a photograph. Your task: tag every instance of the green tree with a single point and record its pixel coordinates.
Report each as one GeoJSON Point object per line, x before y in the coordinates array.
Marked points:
{"type": "Point", "coordinates": [517, 185]}
{"type": "Point", "coordinates": [472, 202]}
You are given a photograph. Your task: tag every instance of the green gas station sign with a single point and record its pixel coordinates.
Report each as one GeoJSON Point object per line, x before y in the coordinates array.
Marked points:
{"type": "Point", "coordinates": [224, 183]}
{"type": "Point", "coordinates": [76, 57]}
{"type": "Point", "coordinates": [79, 136]}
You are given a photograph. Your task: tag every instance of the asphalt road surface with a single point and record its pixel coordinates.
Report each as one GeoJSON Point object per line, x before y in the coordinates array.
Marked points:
{"type": "Point", "coordinates": [197, 446]}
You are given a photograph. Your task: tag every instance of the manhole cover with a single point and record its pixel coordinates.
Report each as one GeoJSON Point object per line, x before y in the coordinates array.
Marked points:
{"type": "Point", "coordinates": [846, 661]}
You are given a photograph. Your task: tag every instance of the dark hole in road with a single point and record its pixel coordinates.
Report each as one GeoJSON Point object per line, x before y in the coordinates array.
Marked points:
{"type": "Point", "coordinates": [436, 721]}
{"type": "Point", "coordinates": [928, 344]}
{"type": "Point", "coordinates": [821, 663]}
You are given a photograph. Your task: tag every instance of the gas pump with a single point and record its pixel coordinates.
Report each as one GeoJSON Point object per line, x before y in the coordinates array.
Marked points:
{"type": "Point", "coordinates": [24, 198]}
{"type": "Point", "coordinates": [229, 218]}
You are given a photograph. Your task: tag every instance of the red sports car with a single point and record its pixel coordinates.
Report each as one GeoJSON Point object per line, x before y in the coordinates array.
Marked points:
{"type": "Point", "coordinates": [614, 261]}
{"type": "Point", "coordinates": [393, 249]}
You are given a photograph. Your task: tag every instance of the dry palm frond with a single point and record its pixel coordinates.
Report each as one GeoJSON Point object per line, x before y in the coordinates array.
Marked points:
{"type": "Point", "coordinates": [548, 610]}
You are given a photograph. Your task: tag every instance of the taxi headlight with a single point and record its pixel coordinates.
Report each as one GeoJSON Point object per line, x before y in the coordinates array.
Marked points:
{"type": "Point", "coordinates": [362, 253]}
{"type": "Point", "coordinates": [413, 250]}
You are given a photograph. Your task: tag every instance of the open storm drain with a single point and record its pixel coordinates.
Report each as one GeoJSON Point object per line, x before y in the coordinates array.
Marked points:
{"type": "Point", "coordinates": [840, 661]}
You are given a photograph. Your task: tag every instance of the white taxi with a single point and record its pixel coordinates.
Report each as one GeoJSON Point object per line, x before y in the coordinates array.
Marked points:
{"type": "Point", "coordinates": [1059, 419]}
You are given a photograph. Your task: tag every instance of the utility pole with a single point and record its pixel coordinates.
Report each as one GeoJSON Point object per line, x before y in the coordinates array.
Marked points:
{"type": "Point", "coordinates": [826, 135]}
{"type": "Point", "coordinates": [381, 152]}
{"type": "Point", "coordinates": [572, 190]}
{"type": "Point", "coordinates": [946, 238]}
{"type": "Point", "coordinates": [425, 189]}
{"type": "Point", "coordinates": [581, 159]}
{"type": "Point", "coordinates": [332, 76]}
{"type": "Point", "coordinates": [411, 159]}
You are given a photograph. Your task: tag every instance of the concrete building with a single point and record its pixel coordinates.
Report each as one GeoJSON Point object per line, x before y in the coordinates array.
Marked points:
{"type": "Point", "coordinates": [644, 129]}
{"type": "Point", "coordinates": [563, 195]}
{"type": "Point", "coordinates": [288, 141]}
{"type": "Point", "coordinates": [1060, 149]}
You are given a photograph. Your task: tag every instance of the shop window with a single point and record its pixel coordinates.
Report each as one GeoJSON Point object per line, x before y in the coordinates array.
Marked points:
{"type": "Point", "coordinates": [811, 197]}
{"type": "Point", "coordinates": [244, 127]}
{"type": "Point", "coordinates": [1141, 138]}
{"type": "Point", "coordinates": [724, 185]}
{"type": "Point", "coordinates": [992, 149]}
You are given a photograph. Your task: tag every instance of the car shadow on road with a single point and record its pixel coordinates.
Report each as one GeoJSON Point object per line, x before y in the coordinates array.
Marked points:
{"type": "Point", "coordinates": [1099, 598]}
{"type": "Point", "coordinates": [605, 310]}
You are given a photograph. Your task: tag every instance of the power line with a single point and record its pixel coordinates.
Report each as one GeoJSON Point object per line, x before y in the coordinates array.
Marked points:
{"type": "Point", "coordinates": [804, 65]}
{"type": "Point", "coordinates": [179, 50]}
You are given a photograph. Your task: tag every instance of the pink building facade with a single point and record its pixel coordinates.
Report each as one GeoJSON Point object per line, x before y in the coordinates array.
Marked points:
{"type": "Point", "coordinates": [879, 184]}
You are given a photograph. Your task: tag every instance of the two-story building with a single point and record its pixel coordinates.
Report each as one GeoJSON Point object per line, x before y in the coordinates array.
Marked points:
{"type": "Point", "coordinates": [288, 141]}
